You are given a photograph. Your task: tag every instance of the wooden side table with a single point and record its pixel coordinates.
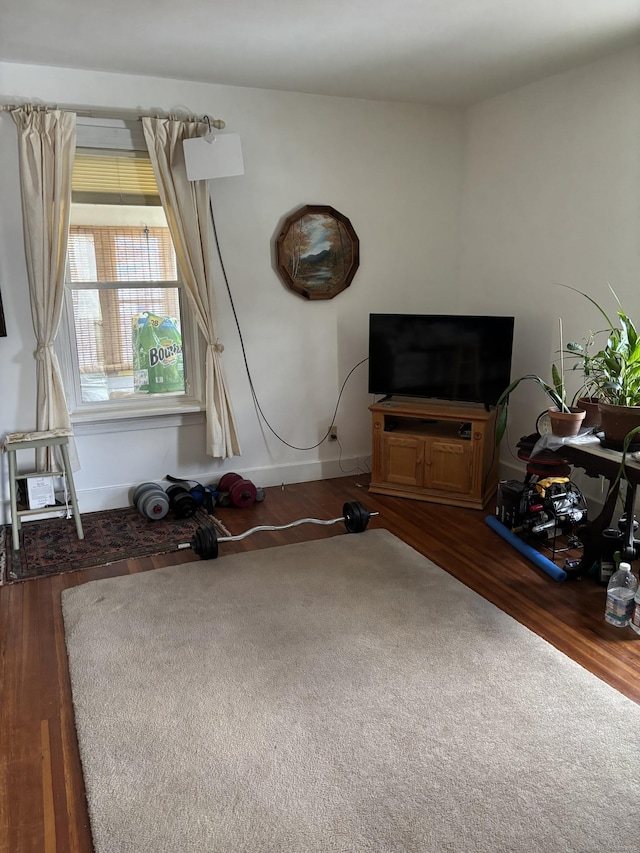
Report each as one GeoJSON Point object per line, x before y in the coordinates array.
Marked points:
{"type": "Point", "coordinates": [27, 441]}
{"type": "Point", "coordinates": [596, 460]}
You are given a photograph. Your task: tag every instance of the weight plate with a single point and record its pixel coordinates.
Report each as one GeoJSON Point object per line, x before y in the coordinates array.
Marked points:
{"type": "Point", "coordinates": [174, 490]}
{"type": "Point", "coordinates": [227, 480]}
{"type": "Point", "coordinates": [205, 542]}
{"type": "Point", "coordinates": [184, 506]}
{"type": "Point", "coordinates": [356, 517]}
{"type": "Point", "coordinates": [154, 505]}
{"type": "Point", "coordinates": [181, 502]}
{"type": "Point", "coordinates": [142, 489]}
{"type": "Point", "coordinates": [242, 493]}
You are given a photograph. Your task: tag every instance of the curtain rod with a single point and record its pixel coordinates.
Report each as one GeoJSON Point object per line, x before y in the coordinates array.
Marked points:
{"type": "Point", "coordinates": [123, 114]}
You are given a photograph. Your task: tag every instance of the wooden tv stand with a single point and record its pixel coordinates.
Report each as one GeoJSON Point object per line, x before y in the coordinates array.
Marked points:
{"type": "Point", "coordinates": [421, 450]}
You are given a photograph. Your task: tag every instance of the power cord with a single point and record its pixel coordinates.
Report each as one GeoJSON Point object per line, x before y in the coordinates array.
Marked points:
{"type": "Point", "coordinates": [357, 469]}
{"type": "Point", "coordinates": [246, 363]}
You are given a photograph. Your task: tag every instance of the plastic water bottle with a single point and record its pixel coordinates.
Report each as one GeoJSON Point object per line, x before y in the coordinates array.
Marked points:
{"type": "Point", "coordinates": [620, 596]}
{"type": "Point", "coordinates": [635, 618]}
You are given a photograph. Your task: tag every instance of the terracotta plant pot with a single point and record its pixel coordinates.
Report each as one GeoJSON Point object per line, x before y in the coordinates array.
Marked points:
{"type": "Point", "coordinates": [617, 421]}
{"type": "Point", "coordinates": [566, 424]}
{"type": "Point", "coordinates": [590, 406]}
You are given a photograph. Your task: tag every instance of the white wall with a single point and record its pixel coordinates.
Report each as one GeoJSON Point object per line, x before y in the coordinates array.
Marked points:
{"type": "Point", "coordinates": [552, 194]}
{"type": "Point", "coordinates": [394, 170]}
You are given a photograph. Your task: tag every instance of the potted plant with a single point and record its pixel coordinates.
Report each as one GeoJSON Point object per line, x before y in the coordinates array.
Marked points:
{"type": "Point", "coordinates": [613, 372]}
{"type": "Point", "coordinates": [565, 419]}
{"type": "Point", "coordinates": [587, 397]}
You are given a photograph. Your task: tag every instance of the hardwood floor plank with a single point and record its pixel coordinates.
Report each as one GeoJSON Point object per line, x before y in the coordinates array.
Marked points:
{"type": "Point", "coordinates": [42, 799]}
{"type": "Point", "coordinates": [72, 818]}
{"type": "Point", "coordinates": [23, 792]}
{"type": "Point", "coordinates": [48, 811]}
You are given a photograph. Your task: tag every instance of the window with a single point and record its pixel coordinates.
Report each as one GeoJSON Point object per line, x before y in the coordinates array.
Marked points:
{"type": "Point", "coordinates": [113, 322]}
{"type": "Point", "coordinates": [129, 344]}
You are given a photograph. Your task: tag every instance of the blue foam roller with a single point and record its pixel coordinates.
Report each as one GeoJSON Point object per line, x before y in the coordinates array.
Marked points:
{"type": "Point", "coordinates": [530, 553]}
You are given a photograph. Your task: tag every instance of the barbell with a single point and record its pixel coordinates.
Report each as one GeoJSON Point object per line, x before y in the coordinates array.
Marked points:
{"type": "Point", "coordinates": [205, 540]}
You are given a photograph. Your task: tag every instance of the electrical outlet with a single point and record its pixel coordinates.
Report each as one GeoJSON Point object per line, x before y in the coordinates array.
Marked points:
{"type": "Point", "coordinates": [333, 432]}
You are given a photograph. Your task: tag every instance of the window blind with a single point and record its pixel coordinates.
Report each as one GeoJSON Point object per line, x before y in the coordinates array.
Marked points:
{"type": "Point", "coordinates": [131, 267]}
{"type": "Point", "coordinates": [108, 253]}
{"type": "Point", "coordinates": [104, 316]}
{"type": "Point", "coordinates": [114, 178]}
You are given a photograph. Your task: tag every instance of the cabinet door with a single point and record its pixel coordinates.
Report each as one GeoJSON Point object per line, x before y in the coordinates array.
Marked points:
{"type": "Point", "coordinates": [403, 460]}
{"type": "Point", "coordinates": [448, 465]}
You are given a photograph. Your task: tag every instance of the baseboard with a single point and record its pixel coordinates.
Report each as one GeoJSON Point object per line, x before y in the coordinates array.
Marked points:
{"type": "Point", "coordinates": [112, 497]}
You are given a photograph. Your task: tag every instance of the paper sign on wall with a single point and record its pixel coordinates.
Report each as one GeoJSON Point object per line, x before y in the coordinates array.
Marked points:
{"type": "Point", "coordinates": [218, 157]}
{"type": "Point", "coordinates": [40, 491]}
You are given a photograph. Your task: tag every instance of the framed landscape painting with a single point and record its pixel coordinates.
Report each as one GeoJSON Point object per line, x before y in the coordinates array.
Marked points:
{"type": "Point", "coordinates": [317, 252]}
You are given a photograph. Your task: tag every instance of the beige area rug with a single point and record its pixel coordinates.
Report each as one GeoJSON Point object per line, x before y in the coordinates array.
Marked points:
{"type": "Point", "coordinates": [339, 695]}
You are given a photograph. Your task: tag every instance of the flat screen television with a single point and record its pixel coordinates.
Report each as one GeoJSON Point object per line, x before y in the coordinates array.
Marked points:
{"type": "Point", "coordinates": [446, 356]}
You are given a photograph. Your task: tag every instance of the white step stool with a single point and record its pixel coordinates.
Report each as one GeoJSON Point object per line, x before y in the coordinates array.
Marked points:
{"type": "Point", "coordinates": [27, 441]}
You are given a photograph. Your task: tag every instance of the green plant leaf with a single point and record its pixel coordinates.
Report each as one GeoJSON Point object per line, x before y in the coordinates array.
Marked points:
{"type": "Point", "coordinates": [558, 384]}
{"type": "Point", "coordinates": [593, 302]}
{"type": "Point", "coordinates": [503, 401]}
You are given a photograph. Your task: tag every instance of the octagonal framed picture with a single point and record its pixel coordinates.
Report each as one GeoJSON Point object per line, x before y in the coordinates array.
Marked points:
{"type": "Point", "coordinates": [317, 252]}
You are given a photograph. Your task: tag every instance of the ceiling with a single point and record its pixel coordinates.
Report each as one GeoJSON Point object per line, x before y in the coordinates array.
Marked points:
{"type": "Point", "coordinates": [453, 52]}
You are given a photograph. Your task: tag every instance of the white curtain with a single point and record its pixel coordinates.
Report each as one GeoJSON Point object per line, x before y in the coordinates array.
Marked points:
{"type": "Point", "coordinates": [186, 205]}
{"type": "Point", "coordinates": [46, 146]}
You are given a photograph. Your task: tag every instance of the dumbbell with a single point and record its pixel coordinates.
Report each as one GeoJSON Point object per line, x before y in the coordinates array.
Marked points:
{"type": "Point", "coordinates": [205, 540]}
{"type": "Point", "coordinates": [151, 500]}
{"type": "Point", "coordinates": [234, 490]}
{"type": "Point", "coordinates": [181, 502]}
{"type": "Point", "coordinates": [204, 496]}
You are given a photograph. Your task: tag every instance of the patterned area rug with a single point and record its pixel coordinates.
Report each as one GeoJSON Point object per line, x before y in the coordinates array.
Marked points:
{"type": "Point", "coordinates": [51, 546]}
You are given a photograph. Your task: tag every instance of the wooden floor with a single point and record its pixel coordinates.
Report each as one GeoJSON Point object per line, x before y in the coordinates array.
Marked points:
{"type": "Point", "coordinates": [42, 804]}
